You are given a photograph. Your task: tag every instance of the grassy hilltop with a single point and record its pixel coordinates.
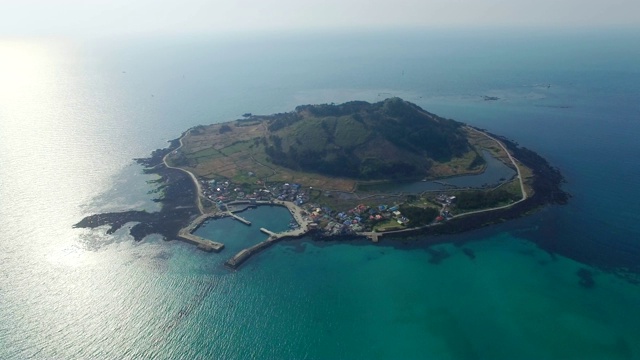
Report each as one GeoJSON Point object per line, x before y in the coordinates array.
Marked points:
{"type": "Point", "coordinates": [390, 139]}
{"type": "Point", "coordinates": [332, 145]}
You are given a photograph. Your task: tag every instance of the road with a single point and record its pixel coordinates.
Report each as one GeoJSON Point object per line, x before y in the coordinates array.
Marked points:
{"type": "Point", "coordinates": [193, 177]}
{"type": "Point", "coordinates": [513, 161]}
{"type": "Point", "coordinates": [375, 236]}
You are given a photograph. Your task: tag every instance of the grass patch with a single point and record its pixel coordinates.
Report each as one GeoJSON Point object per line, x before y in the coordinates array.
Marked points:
{"type": "Point", "coordinates": [350, 132]}
{"type": "Point", "coordinates": [388, 225]}
{"type": "Point", "coordinates": [310, 135]}
{"type": "Point", "coordinates": [512, 187]}
{"type": "Point", "coordinates": [236, 147]}
{"type": "Point", "coordinates": [207, 154]}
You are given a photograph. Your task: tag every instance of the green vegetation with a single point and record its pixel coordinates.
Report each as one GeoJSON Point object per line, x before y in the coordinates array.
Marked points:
{"type": "Point", "coordinates": [280, 121]}
{"type": "Point", "coordinates": [236, 147]}
{"type": "Point", "coordinates": [513, 188]}
{"type": "Point", "coordinates": [478, 160]}
{"type": "Point", "coordinates": [390, 139]}
{"type": "Point", "coordinates": [349, 132]}
{"type": "Point", "coordinates": [419, 216]}
{"type": "Point", "coordinates": [439, 138]}
{"type": "Point", "coordinates": [479, 199]}
{"type": "Point", "coordinates": [209, 153]}
{"type": "Point", "coordinates": [388, 225]}
{"type": "Point", "coordinates": [339, 147]}
{"type": "Point", "coordinates": [343, 156]}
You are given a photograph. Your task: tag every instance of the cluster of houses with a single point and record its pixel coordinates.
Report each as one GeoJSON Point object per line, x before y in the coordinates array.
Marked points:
{"type": "Point", "coordinates": [224, 191]}
{"type": "Point", "coordinates": [357, 219]}
{"type": "Point", "coordinates": [444, 199]}
{"type": "Point", "coordinates": [360, 218]}
{"type": "Point", "coordinates": [290, 192]}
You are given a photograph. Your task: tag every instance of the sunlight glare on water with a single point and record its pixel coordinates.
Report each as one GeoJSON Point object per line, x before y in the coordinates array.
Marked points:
{"type": "Point", "coordinates": [23, 66]}
{"type": "Point", "coordinates": [72, 116]}
{"type": "Point", "coordinates": [48, 149]}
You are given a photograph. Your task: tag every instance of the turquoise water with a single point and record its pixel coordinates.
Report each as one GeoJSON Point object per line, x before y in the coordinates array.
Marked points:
{"type": "Point", "coordinates": [73, 115]}
{"type": "Point", "coordinates": [237, 236]}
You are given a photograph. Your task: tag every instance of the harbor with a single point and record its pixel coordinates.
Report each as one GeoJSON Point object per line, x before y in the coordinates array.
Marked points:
{"type": "Point", "coordinates": [304, 227]}
{"type": "Point", "coordinates": [270, 222]}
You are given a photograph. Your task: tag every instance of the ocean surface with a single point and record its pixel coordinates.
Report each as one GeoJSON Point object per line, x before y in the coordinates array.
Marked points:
{"type": "Point", "coordinates": [73, 115]}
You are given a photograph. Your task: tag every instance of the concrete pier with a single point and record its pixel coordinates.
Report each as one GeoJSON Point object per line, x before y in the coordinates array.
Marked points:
{"type": "Point", "coordinates": [374, 236]}
{"type": "Point", "coordinates": [245, 254]}
{"type": "Point", "coordinates": [203, 244]}
{"type": "Point", "coordinates": [270, 233]}
{"type": "Point", "coordinates": [241, 219]}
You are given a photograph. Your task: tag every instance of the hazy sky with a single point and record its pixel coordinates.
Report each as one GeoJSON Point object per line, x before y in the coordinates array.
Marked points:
{"type": "Point", "coordinates": [104, 17]}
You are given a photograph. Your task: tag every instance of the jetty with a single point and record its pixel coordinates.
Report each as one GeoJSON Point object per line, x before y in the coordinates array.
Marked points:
{"type": "Point", "coordinates": [374, 236]}
{"type": "Point", "coordinates": [270, 233]}
{"type": "Point", "coordinates": [239, 218]}
{"type": "Point", "coordinates": [244, 254]}
{"type": "Point", "coordinates": [203, 244]}
{"type": "Point", "coordinates": [186, 234]}
{"type": "Point", "coordinates": [274, 237]}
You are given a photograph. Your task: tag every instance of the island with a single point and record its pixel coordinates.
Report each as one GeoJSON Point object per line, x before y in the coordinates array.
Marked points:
{"type": "Point", "coordinates": [387, 169]}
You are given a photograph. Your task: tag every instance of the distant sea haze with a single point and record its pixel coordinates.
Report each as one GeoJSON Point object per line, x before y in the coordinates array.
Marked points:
{"type": "Point", "coordinates": [556, 284]}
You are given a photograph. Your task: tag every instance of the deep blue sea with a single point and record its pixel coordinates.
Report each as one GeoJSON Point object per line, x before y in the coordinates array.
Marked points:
{"type": "Point", "coordinates": [73, 115]}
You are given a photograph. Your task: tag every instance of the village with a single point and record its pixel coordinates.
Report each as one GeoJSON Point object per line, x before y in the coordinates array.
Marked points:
{"type": "Point", "coordinates": [229, 197]}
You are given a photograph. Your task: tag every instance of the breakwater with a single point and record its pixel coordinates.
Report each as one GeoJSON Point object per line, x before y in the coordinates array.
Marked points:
{"type": "Point", "coordinates": [203, 244]}
{"type": "Point", "coordinates": [304, 228]}
{"type": "Point", "coordinates": [187, 235]}
{"type": "Point", "coordinates": [239, 218]}
{"type": "Point", "coordinates": [244, 254]}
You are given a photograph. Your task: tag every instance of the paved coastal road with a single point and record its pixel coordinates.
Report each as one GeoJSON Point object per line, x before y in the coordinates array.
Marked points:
{"type": "Point", "coordinates": [524, 193]}
{"type": "Point", "coordinates": [193, 177]}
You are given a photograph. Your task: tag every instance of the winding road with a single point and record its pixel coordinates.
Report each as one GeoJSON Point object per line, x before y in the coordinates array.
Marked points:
{"type": "Point", "coordinates": [193, 177]}
{"type": "Point", "coordinates": [375, 236]}
{"type": "Point", "coordinates": [524, 192]}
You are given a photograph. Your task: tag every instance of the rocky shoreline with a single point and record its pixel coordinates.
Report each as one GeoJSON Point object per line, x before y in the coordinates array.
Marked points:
{"type": "Point", "coordinates": [178, 210]}
{"type": "Point", "coordinates": [178, 207]}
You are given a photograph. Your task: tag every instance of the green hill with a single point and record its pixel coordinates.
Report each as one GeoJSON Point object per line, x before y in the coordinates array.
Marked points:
{"type": "Point", "coordinates": [389, 139]}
